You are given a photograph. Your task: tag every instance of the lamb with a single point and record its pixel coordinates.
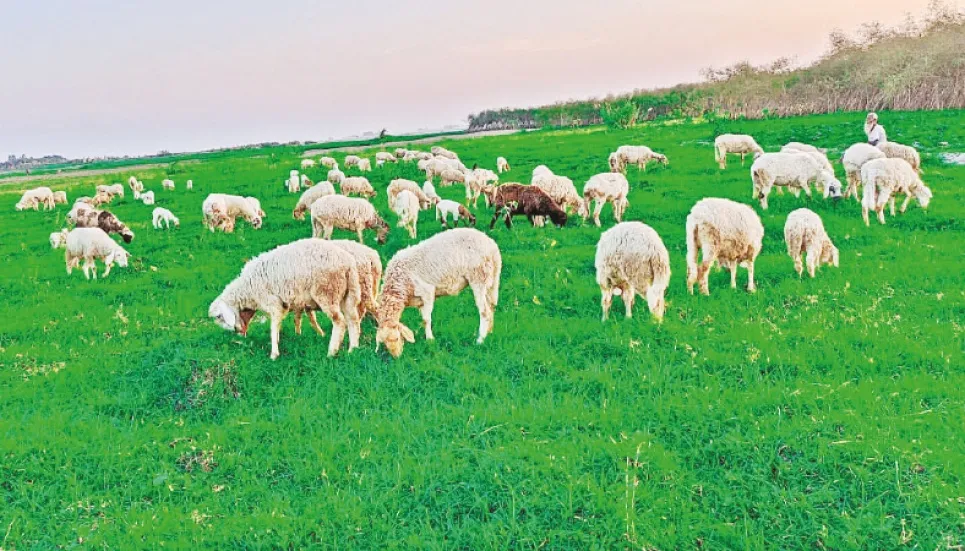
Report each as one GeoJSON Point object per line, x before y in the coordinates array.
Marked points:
{"type": "Point", "coordinates": [305, 275]}
{"type": "Point", "coordinates": [815, 153]}
{"type": "Point", "coordinates": [347, 213]}
{"type": "Point", "coordinates": [219, 211]}
{"type": "Point", "coordinates": [58, 239]}
{"type": "Point", "coordinates": [638, 155]}
{"type": "Point", "coordinates": [147, 198]}
{"type": "Point", "coordinates": [442, 265]}
{"type": "Point", "coordinates": [383, 157]}
{"type": "Point", "coordinates": [305, 182]}
{"type": "Point", "coordinates": [309, 197]}
{"type": "Point", "coordinates": [294, 182]}
{"type": "Point", "coordinates": [893, 150]}
{"type": "Point", "coordinates": [357, 185]}
{"type": "Point", "coordinates": [104, 220]}
{"type": "Point", "coordinates": [137, 187]}
{"type": "Point", "coordinates": [164, 216]}
{"type": "Point", "coordinates": [480, 182]}
{"type": "Point", "coordinates": [430, 191]}
{"type": "Point", "coordinates": [396, 186]}
{"type": "Point", "coordinates": [443, 152]}
{"type": "Point", "coordinates": [115, 190]}
{"type": "Point", "coordinates": [189, 185]}
{"type": "Point", "coordinates": [335, 176]}
{"type": "Point", "coordinates": [167, 184]}
{"type": "Point", "coordinates": [515, 199]}
{"type": "Point", "coordinates": [328, 162]}
{"type": "Point", "coordinates": [60, 197]}
{"type": "Point", "coordinates": [794, 170]}
{"type": "Point", "coordinates": [804, 233]}
{"type": "Point", "coordinates": [351, 160]}
{"type": "Point", "coordinates": [883, 179]}
{"type": "Point", "coordinates": [445, 208]}
{"type": "Point", "coordinates": [91, 244]}
{"type": "Point", "coordinates": [608, 187]}
{"type": "Point", "coordinates": [729, 233]}
{"type": "Point", "coordinates": [33, 198]}
{"type": "Point", "coordinates": [562, 190]}
{"type": "Point", "coordinates": [406, 206]}
{"type": "Point", "coordinates": [307, 163]}
{"type": "Point", "coordinates": [632, 260]}
{"type": "Point", "coordinates": [365, 165]}
{"type": "Point", "coordinates": [77, 211]}
{"type": "Point", "coordinates": [739, 144]}
{"type": "Point", "coordinates": [854, 158]}
{"type": "Point", "coordinates": [502, 165]}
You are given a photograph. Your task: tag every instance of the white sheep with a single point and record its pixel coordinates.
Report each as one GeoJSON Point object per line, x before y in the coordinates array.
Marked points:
{"type": "Point", "coordinates": [608, 187]}
{"type": "Point", "coordinates": [738, 144]}
{"type": "Point", "coordinates": [399, 184]}
{"type": "Point", "coordinates": [189, 185]}
{"type": "Point", "coordinates": [167, 184]}
{"type": "Point", "coordinates": [478, 182]}
{"type": "Point", "coordinates": [164, 216]}
{"type": "Point", "coordinates": [632, 260]}
{"type": "Point", "coordinates": [102, 198]}
{"type": "Point", "coordinates": [883, 179]}
{"type": "Point", "coordinates": [369, 267]}
{"type": "Point", "coordinates": [502, 165]}
{"type": "Point", "coordinates": [383, 157]}
{"type": "Point", "coordinates": [446, 208]}
{"type": "Point", "coordinates": [357, 185]}
{"type": "Point", "coordinates": [400, 152]}
{"type": "Point", "coordinates": [328, 162]}
{"type": "Point", "coordinates": [909, 154]}
{"type": "Point", "coordinates": [309, 197]}
{"type": "Point", "coordinates": [33, 198]}
{"type": "Point", "coordinates": [347, 213]}
{"type": "Point", "coordinates": [307, 163]}
{"type": "Point", "coordinates": [562, 190]}
{"type": "Point", "coordinates": [728, 233]}
{"type": "Point", "coordinates": [451, 176]}
{"type": "Point", "coordinates": [365, 165]}
{"type": "Point", "coordinates": [335, 176]}
{"type": "Point", "coordinates": [305, 275]}
{"type": "Point", "coordinates": [351, 160]}
{"type": "Point", "coordinates": [541, 171]}
{"type": "Point", "coordinates": [443, 152]}
{"type": "Point", "coordinates": [442, 265]}
{"type": "Point", "coordinates": [294, 182]}
{"type": "Point", "coordinates": [411, 156]}
{"type": "Point", "coordinates": [406, 206]}
{"type": "Point", "coordinates": [430, 191]}
{"type": "Point", "coordinates": [60, 197]}
{"type": "Point", "coordinates": [92, 244]}
{"type": "Point", "coordinates": [434, 167]}
{"type": "Point", "coordinates": [78, 210]}
{"type": "Point", "coordinates": [58, 239]}
{"type": "Point", "coordinates": [114, 190]}
{"type": "Point", "coordinates": [220, 210]}
{"type": "Point", "coordinates": [853, 159]}
{"type": "Point", "coordinates": [804, 234]}
{"type": "Point", "coordinates": [817, 154]}
{"type": "Point", "coordinates": [137, 187]}
{"type": "Point", "coordinates": [147, 198]}
{"type": "Point", "coordinates": [638, 155]}
{"type": "Point", "coordinates": [794, 170]}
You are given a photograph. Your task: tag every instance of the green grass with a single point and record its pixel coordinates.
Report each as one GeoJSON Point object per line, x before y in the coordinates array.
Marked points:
{"type": "Point", "coordinates": [814, 414]}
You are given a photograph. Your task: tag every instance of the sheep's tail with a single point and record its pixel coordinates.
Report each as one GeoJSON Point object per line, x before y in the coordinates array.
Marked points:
{"type": "Point", "coordinates": [693, 246]}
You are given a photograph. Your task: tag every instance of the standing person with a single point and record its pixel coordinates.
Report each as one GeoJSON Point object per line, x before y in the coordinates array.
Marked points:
{"type": "Point", "coordinates": [876, 132]}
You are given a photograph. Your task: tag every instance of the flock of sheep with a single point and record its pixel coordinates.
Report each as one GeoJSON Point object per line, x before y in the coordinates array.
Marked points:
{"type": "Point", "coordinates": [345, 280]}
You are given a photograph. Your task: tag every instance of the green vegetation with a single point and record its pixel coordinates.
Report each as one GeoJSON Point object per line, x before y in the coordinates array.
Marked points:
{"type": "Point", "coordinates": [814, 414]}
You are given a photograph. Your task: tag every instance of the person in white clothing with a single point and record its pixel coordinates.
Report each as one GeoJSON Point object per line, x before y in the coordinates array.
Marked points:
{"type": "Point", "coordinates": [876, 132]}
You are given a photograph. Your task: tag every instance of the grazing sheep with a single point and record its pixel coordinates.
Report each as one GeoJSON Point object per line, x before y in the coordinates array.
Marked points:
{"type": "Point", "coordinates": [608, 187]}
{"type": "Point", "coordinates": [60, 197]}
{"type": "Point", "coordinates": [347, 213]}
{"type": "Point", "coordinates": [542, 171]}
{"type": "Point", "coordinates": [442, 265]}
{"type": "Point", "coordinates": [632, 260]}
{"type": "Point", "coordinates": [102, 198]}
{"type": "Point", "coordinates": [452, 176]}
{"type": "Point", "coordinates": [189, 185]}
{"type": "Point", "coordinates": [147, 198]}
{"type": "Point", "coordinates": [357, 185]}
{"type": "Point", "coordinates": [893, 150]}
{"type": "Point", "coordinates": [794, 170]}
{"type": "Point", "coordinates": [638, 155]}
{"type": "Point", "coordinates": [164, 216]}
{"type": "Point", "coordinates": [365, 165]}
{"type": "Point", "coordinates": [883, 179]}
{"type": "Point", "coordinates": [33, 198]}
{"type": "Point", "coordinates": [328, 162]}
{"type": "Point", "coordinates": [435, 167]}
{"type": "Point", "coordinates": [167, 184]}
{"type": "Point", "coordinates": [400, 152]}
{"type": "Point", "coordinates": [445, 208]}
{"type": "Point", "coordinates": [411, 156]}
{"type": "Point", "coordinates": [502, 165]}
{"type": "Point", "coordinates": [136, 187]}
{"type": "Point", "coordinates": [104, 220]}
{"type": "Point", "coordinates": [383, 157]}
{"type": "Point", "coordinates": [815, 153]}
{"type": "Point", "coordinates": [804, 233]}
{"type": "Point", "coordinates": [309, 197]}
{"type": "Point", "coordinates": [562, 190]}
{"type": "Point", "coordinates": [256, 205]}
{"type": "Point", "coordinates": [727, 232]}
{"type": "Point", "coordinates": [114, 190]}
{"type": "Point", "coordinates": [335, 176]}
{"type": "Point", "coordinates": [91, 244]}
{"type": "Point", "coordinates": [307, 163]}
{"type": "Point", "coordinates": [58, 239]}
{"type": "Point", "coordinates": [397, 185]}
{"type": "Point", "coordinates": [516, 199]}
{"type": "Point", "coordinates": [406, 206]}
{"type": "Point", "coordinates": [351, 160]}
{"type": "Point", "coordinates": [369, 267]}
{"type": "Point", "coordinates": [854, 158]}
{"type": "Point", "coordinates": [430, 191]}
{"type": "Point", "coordinates": [78, 210]}
{"type": "Point", "coordinates": [306, 275]}
{"type": "Point", "coordinates": [294, 182]}
{"type": "Point", "coordinates": [738, 144]}
{"type": "Point", "coordinates": [305, 182]}
{"type": "Point", "coordinates": [443, 152]}
{"type": "Point", "coordinates": [219, 211]}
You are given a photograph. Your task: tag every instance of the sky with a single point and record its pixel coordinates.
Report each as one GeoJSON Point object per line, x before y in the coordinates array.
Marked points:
{"type": "Point", "coordinates": [92, 78]}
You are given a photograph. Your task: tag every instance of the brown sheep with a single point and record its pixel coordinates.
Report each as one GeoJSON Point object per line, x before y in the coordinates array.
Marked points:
{"type": "Point", "coordinates": [516, 199]}
{"type": "Point", "coordinates": [106, 221]}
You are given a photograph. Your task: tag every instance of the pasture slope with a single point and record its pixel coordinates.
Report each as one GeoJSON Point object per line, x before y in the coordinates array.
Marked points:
{"type": "Point", "coordinates": [814, 414]}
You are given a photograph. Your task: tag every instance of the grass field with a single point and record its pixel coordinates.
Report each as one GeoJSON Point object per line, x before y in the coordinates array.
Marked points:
{"type": "Point", "coordinates": [814, 414]}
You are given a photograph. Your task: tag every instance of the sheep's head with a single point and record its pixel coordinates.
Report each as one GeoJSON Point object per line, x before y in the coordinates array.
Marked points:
{"type": "Point", "coordinates": [229, 318]}
{"type": "Point", "coordinates": [255, 222]}
{"type": "Point", "coordinates": [662, 159]}
{"type": "Point", "coordinates": [299, 212]}
{"type": "Point", "coordinates": [830, 255]}
{"type": "Point", "coordinates": [121, 257]}
{"type": "Point", "coordinates": [558, 216]}
{"type": "Point", "coordinates": [832, 186]}
{"type": "Point", "coordinates": [127, 235]}
{"type": "Point", "coordinates": [923, 194]}
{"type": "Point", "coordinates": [381, 230]}
{"type": "Point", "coordinates": [393, 335]}
{"type": "Point", "coordinates": [58, 239]}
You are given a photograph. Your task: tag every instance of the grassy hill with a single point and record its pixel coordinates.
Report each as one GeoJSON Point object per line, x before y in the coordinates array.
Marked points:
{"type": "Point", "coordinates": [823, 414]}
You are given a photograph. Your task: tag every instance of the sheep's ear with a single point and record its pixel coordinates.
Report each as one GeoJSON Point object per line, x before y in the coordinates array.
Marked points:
{"type": "Point", "coordinates": [406, 334]}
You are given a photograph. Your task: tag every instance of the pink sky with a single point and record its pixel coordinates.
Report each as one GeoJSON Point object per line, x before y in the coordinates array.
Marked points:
{"type": "Point", "coordinates": [94, 77]}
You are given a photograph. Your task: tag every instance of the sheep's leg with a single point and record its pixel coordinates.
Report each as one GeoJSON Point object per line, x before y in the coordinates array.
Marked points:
{"type": "Point", "coordinates": [426, 311]}
{"type": "Point", "coordinates": [703, 271]}
{"type": "Point", "coordinates": [327, 234]}
{"type": "Point", "coordinates": [891, 204]}
{"type": "Point", "coordinates": [606, 300]}
{"type": "Point", "coordinates": [276, 319]}
{"type": "Point", "coordinates": [479, 292]}
{"type": "Point", "coordinates": [798, 265]}
{"type": "Point", "coordinates": [904, 205]}
{"type": "Point", "coordinates": [629, 296]}
{"type": "Point", "coordinates": [492, 224]}
{"type": "Point", "coordinates": [298, 322]}
{"type": "Point", "coordinates": [338, 327]}
{"type": "Point", "coordinates": [742, 159]}
{"type": "Point", "coordinates": [313, 320]}
{"type": "Point", "coordinates": [597, 209]}
{"type": "Point", "coordinates": [750, 277]}
{"type": "Point", "coordinates": [864, 215]}
{"type": "Point", "coordinates": [733, 275]}
{"type": "Point", "coordinates": [108, 264]}
{"type": "Point", "coordinates": [361, 239]}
